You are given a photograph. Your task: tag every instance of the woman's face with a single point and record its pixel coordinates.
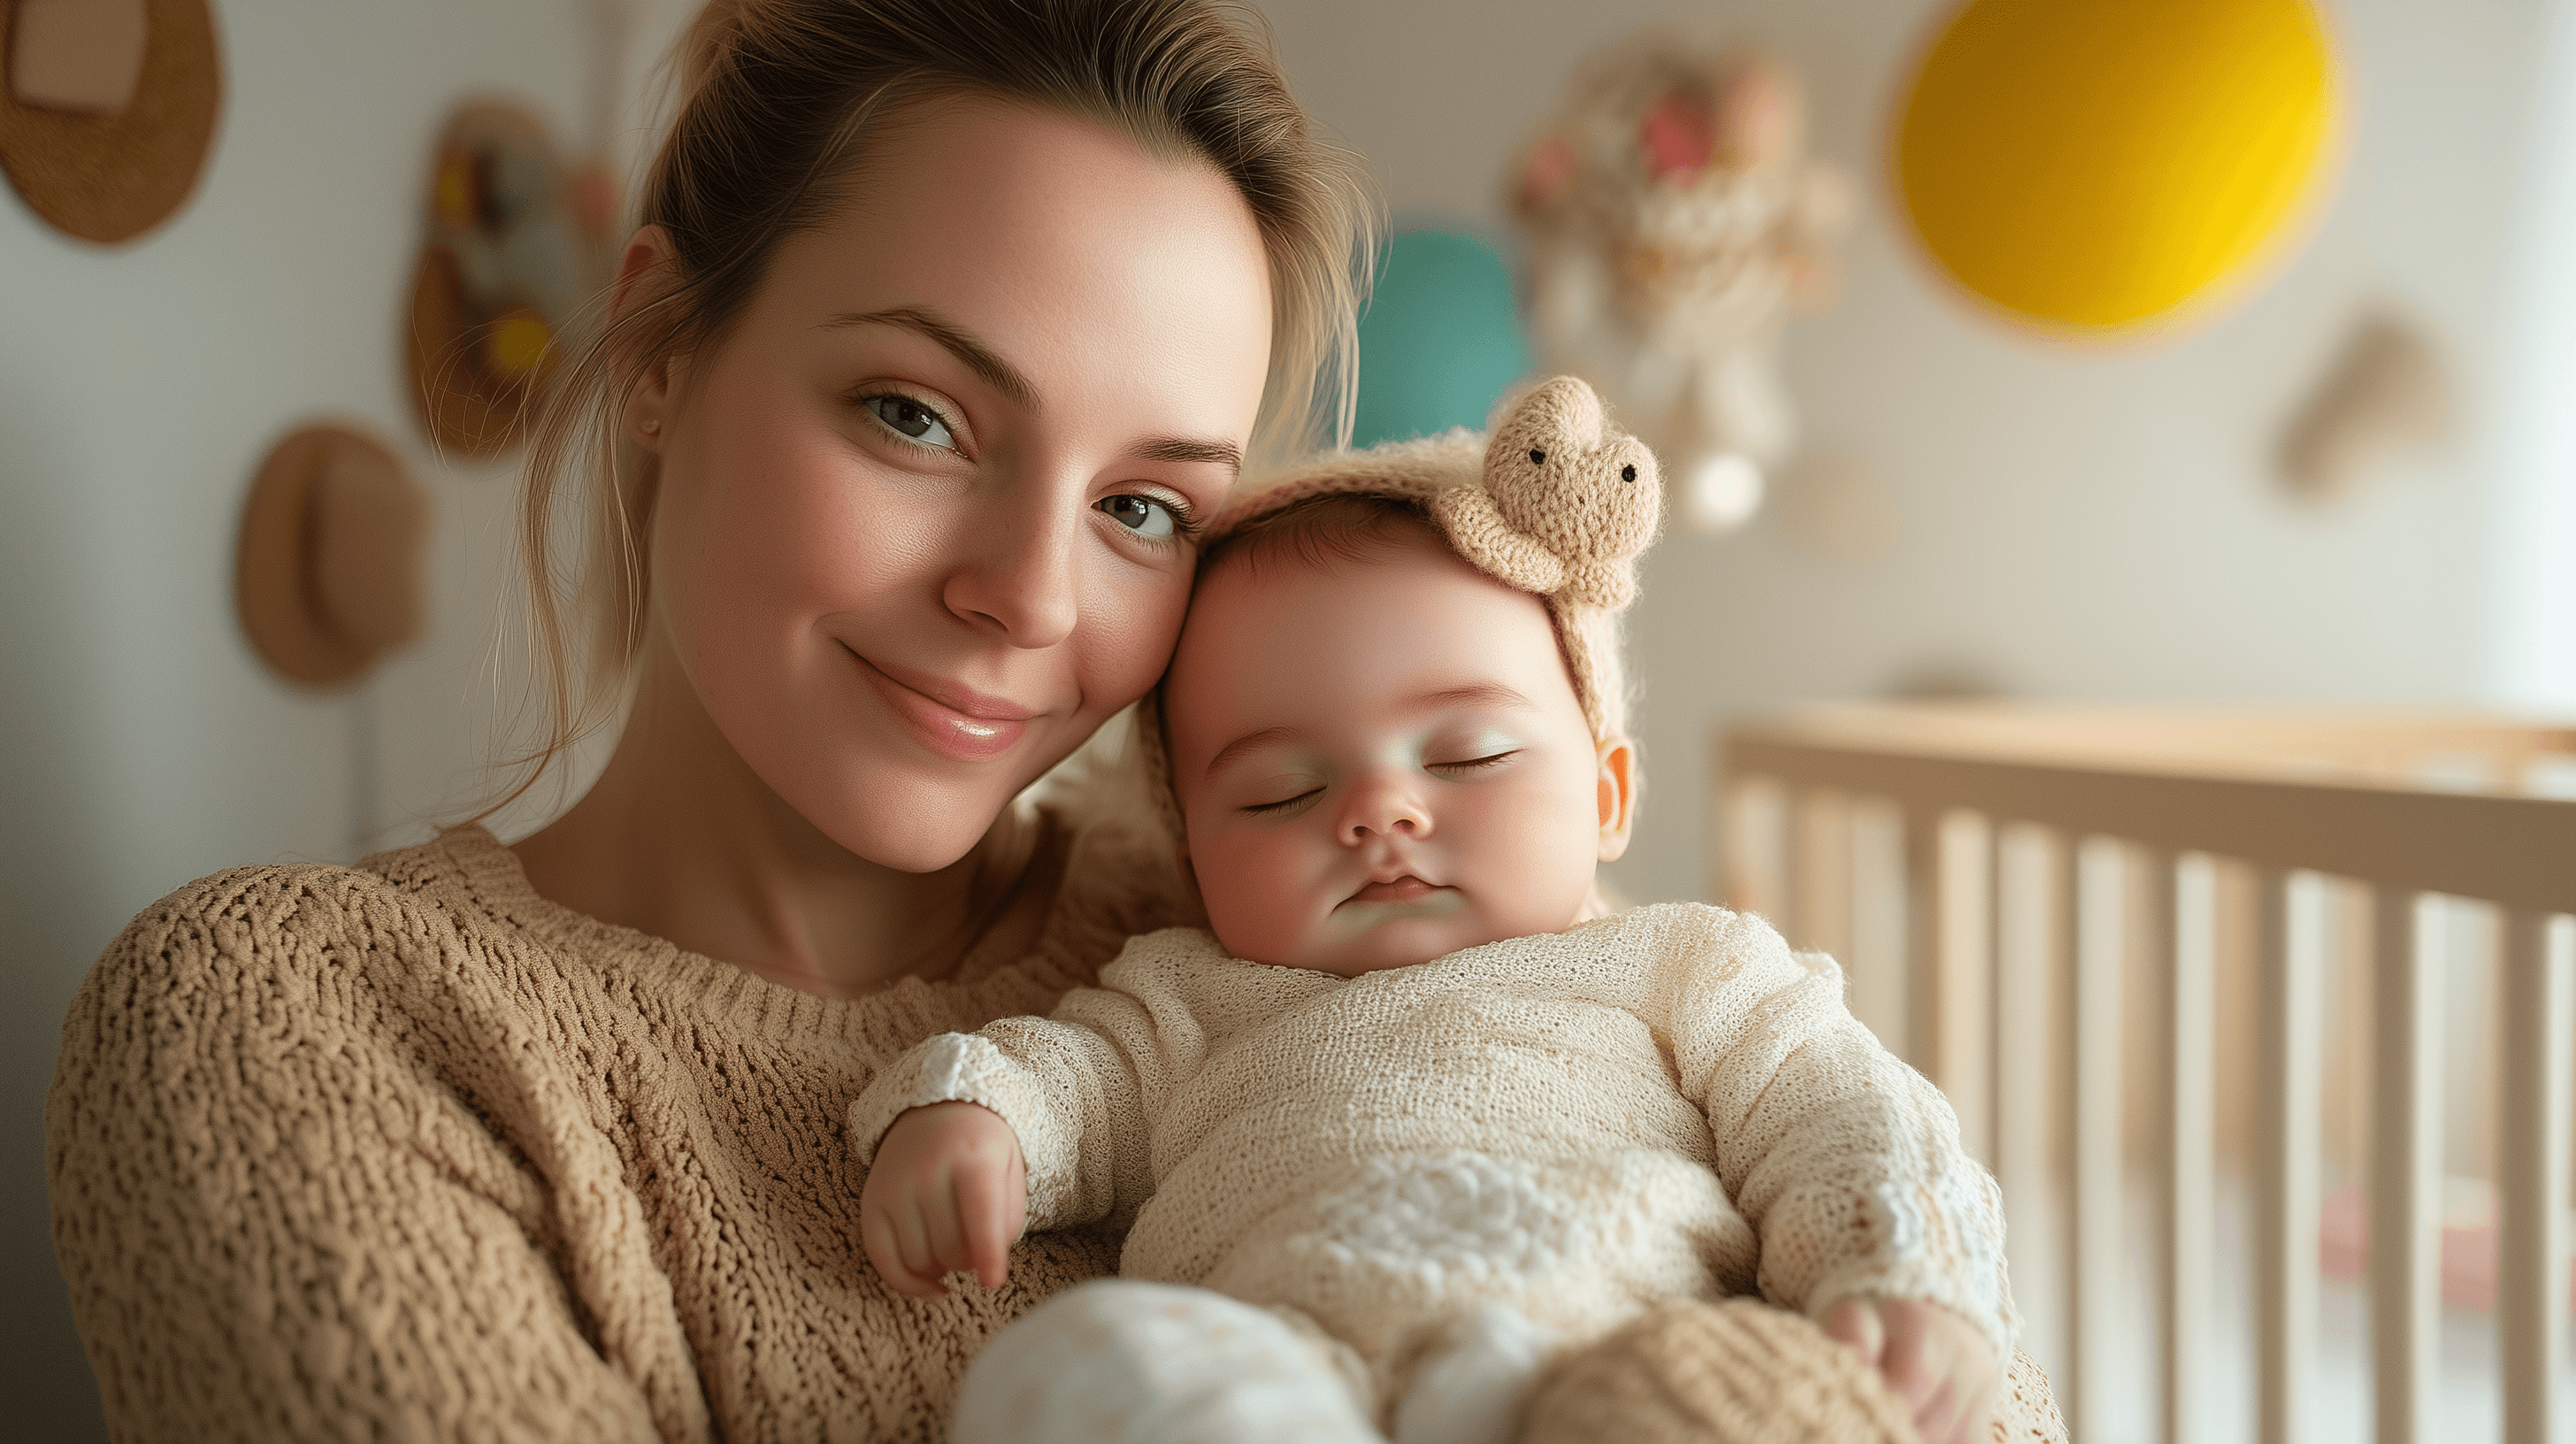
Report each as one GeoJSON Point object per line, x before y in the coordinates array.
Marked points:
{"type": "Point", "coordinates": [925, 511]}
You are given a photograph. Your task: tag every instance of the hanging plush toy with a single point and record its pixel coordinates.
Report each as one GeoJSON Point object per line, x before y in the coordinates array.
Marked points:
{"type": "Point", "coordinates": [1672, 217]}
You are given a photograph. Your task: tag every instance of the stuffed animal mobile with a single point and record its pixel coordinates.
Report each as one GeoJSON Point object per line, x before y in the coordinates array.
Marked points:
{"type": "Point", "coordinates": [1672, 217]}
{"type": "Point", "coordinates": [1565, 503]}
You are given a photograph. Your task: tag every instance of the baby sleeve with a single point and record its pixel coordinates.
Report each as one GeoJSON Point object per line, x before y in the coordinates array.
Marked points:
{"type": "Point", "coordinates": [1846, 1162]}
{"type": "Point", "coordinates": [1074, 1088]}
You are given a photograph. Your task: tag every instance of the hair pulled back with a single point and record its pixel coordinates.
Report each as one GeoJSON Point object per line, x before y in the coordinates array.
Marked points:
{"type": "Point", "coordinates": [778, 102]}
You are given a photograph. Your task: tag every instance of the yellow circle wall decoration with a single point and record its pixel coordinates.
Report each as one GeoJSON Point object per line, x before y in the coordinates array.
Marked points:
{"type": "Point", "coordinates": [2101, 167]}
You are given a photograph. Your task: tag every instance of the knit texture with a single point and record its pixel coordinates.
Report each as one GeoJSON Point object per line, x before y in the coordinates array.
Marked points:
{"type": "Point", "coordinates": [1738, 1371]}
{"type": "Point", "coordinates": [1667, 1103]}
{"type": "Point", "coordinates": [405, 1151]}
{"type": "Point", "coordinates": [1735, 1371]}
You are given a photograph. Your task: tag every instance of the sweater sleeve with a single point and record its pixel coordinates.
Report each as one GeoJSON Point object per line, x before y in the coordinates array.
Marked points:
{"type": "Point", "coordinates": [1846, 1162]}
{"type": "Point", "coordinates": [1079, 1090]}
{"type": "Point", "coordinates": [273, 1226]}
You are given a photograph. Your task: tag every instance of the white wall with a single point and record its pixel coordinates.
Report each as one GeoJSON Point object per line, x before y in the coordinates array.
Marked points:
{"type": "Point", "coordinates": [2082, 525]}
{"type": "Point", "coordinates": [140, 743]}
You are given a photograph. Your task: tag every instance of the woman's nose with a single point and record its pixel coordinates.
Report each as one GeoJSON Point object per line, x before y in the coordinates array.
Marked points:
{"type": "Point", "coordinates": [1382, 808]}
{"type": "Point", "coordinates": [1016, 569]}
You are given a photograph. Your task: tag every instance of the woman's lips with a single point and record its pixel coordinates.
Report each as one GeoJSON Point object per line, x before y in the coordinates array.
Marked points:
{"type": "Point", "coordinates": [1403, 889]}
{"type": "Point", "coordinates": [992, 728]}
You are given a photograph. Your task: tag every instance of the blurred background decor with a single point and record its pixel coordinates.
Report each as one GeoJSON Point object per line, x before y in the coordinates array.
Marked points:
{"type": "Point", "coordinates": [1671, 215]}
{"type": "Point", "coordinates": [327, 576]}
{"type": "Point", "coordinates": [108, 110]}
{"type": "Point", "coordinates": [2088, 168]}
{"type": "Point", "coordinates": [511, 253]}
{"type": "Point", "coordinates": [2383, 392]}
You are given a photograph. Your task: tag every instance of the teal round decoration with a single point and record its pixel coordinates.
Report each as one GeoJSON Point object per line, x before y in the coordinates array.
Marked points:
{"type": "Point", "coordinates": [1440, 340]}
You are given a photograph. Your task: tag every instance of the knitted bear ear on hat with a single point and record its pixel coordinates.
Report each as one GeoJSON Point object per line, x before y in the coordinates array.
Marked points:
{"type": "Point", "coordinates": [1566, 503]}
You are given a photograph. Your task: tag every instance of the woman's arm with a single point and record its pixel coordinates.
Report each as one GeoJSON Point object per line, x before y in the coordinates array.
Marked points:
{"type": "Point", "coordinates": [278, 1224]}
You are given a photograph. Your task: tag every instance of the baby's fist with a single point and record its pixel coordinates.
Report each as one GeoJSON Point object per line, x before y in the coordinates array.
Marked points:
{"type": "Point", "coordinates": [1937, 1363]}
{"type": "Point", "coordinates": [948, 1191]}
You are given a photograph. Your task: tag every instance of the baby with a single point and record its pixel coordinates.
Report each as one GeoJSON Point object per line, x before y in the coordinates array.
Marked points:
{"type": "Point", "coordinates": [1413, 1115]}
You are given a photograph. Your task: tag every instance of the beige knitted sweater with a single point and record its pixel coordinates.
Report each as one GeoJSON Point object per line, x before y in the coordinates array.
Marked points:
{"type": "Point", "coordinates": [405, 1151]}
{"type": "Point", "coordinates": [1664, 1103]}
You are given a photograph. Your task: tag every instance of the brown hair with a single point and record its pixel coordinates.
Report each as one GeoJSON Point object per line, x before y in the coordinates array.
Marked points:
{"type": "Point", "coordinates": [778, 102]}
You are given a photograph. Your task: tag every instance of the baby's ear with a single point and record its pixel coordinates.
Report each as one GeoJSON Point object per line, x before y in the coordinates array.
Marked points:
{"type": "Point", "coordinates": [1617, 788]}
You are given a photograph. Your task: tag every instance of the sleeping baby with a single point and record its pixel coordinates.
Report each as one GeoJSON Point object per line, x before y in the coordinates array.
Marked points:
{"type": "Point", "coordinates": [1416, 1115]}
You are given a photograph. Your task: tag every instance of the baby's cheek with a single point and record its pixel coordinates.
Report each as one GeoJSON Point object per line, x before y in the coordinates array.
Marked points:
{"type": "Point", "coordinates": [1538, 850]}
{"type": "Point", "coordinates": [1258, 901]}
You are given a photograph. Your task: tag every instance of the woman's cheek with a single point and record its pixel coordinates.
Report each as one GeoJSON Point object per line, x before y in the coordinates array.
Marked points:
{"type": "Point", "coordinates": [1128, 628]}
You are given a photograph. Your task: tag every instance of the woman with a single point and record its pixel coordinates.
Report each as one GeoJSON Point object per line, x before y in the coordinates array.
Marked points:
{"type": "Point", "coordinates": [946, 325]}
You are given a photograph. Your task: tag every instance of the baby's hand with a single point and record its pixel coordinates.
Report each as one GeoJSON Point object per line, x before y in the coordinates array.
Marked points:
{"type": "Point", "coordinates": [949, 1190]}
{"type": "Point", "coordinates": [1939, 1364]}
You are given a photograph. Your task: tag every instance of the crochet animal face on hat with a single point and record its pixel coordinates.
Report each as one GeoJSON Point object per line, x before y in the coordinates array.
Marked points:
{"type": "Point", "coordinates": [1565, 503]}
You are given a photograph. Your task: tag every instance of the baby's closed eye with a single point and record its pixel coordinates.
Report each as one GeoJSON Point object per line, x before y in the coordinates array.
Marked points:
{"type": "Point", "coordinates": [1469, 766]}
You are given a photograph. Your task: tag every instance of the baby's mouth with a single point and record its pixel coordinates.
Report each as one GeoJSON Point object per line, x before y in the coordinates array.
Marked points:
{"type": "Point", "coordinates": [1404, 889]}
{"type": "Point", "coordinates": [1392, 901]}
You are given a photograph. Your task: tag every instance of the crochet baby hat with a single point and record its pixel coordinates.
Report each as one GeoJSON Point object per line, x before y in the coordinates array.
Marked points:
{"type": "Point", "coordinates": [1551, 500]}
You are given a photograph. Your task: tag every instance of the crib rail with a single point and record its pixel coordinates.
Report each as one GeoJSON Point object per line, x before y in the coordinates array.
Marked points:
{"type": "Point", "coordinates": [2152, 800]}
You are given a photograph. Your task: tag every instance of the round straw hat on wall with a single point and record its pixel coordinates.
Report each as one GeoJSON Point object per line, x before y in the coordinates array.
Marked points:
{"type": "Point", "coordinates": [328, 575]}
{"type": "Point", "coordinates": [107, 109]}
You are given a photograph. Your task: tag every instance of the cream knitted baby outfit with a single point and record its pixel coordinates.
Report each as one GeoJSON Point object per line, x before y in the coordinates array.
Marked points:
{"type": "Point", "coordinates": [1663, 1104]}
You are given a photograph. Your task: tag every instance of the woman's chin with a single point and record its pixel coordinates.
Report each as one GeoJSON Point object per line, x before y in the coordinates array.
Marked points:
{"type": "Point", "coordinates": [907, 822]}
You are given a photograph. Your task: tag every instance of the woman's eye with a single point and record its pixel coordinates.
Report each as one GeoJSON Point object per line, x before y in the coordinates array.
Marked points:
{"type": "Point", "coordinates": [911, 420]}
{"type": "Point", "coordinates": [1142, 515]}
{"type": "Point", "coordinates": [1472, 764]}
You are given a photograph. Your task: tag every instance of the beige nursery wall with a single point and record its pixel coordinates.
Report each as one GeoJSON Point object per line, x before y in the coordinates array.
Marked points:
{"type": "Point", "coordinates": [2075, 525]}
{"type": "Point", "coordinates": [140, 743]}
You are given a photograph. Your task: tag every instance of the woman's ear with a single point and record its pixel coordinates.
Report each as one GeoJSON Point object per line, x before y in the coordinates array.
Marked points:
{"type": "Point", "coordinates": [643, 274]}
{"type": "Point", "coordinates": [1618, 789]}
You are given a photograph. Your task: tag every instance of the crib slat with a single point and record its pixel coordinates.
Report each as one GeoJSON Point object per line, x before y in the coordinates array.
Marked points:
{"type": "Point", "coordinates": [2406, 1169]}
{"type": "Point", "coordinates": [2288, 1033]}
{"type": "Point", "coordinates": [1956, 934]}
{"type": "Point", "coordinates": [2178, 953]}
{"type": "Point", "coordinates": [1923, 941]}
{"type": "Point", "coordinates": [2531, 1303]}
{"type": "Point", "coordinates": [2025, 1076]}
{"type": "Point", "coordinates": [2091, 1033]}
{"type": "Point", "coordinates": [1824, 871]}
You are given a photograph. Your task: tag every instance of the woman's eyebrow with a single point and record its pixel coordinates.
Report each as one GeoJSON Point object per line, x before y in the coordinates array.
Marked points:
{"type": "Point", "coordinates": [1182, 448]}
{"type": "Point", "coordinates": [959, 342]}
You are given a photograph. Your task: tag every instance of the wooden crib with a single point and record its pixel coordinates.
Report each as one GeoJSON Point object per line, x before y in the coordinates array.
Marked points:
{"type": "Point", "coordinates": [2052, 878]}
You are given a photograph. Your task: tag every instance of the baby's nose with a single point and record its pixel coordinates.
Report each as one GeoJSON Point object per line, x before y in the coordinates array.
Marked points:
{"type": "Point", "coordinates": [1379, 811]}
